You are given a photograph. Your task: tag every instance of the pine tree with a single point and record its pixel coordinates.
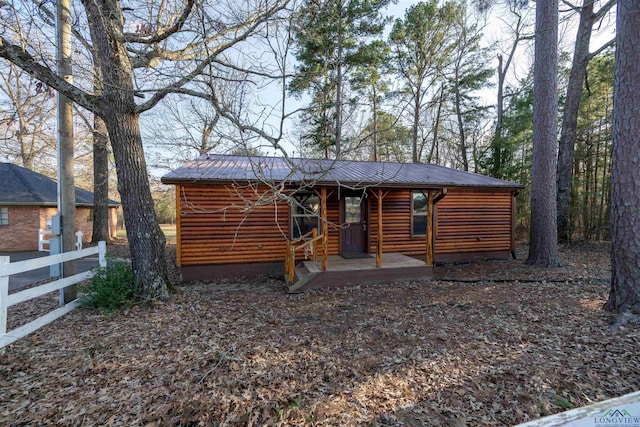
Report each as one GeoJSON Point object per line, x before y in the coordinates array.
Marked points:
{"type": "Point", "coordinates": [468, 73]}
{"type": "Point", "coordinates": [332, 37]}
{"type": "Point", "coordinates": [543, 249]}
{"type": "Point", "coordinates": [422, 44]}
{"type": "Point", "coordinates": [625, 180]}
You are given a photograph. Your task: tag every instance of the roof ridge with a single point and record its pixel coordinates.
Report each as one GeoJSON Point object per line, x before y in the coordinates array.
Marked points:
{"type": "Point", "coordinates": [208, 156]}
{"type": "Point", "coordinates": [35, 188]}
{"type": "Point", "coordinates": [18, 172]}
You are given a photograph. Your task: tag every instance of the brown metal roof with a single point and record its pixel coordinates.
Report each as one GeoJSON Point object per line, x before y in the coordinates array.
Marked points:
{"type": "Point", "coordinates": [215, 168]}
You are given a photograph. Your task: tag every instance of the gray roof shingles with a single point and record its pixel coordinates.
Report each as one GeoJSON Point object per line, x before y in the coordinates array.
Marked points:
{"type": "Point", "coordinates": [212, 168]}
{"type": "Point", "coordinates": [20, 186]}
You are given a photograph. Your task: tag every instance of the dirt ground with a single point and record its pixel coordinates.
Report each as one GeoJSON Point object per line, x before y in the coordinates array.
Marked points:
{"type": "Point", "coordinates": [487, 343]}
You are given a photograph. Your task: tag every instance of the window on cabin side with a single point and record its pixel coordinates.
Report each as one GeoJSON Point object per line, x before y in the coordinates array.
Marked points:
{"type": "Point", "coordinates": [4, 216]}
{"type": "Point", "coordinates": [419, 214]}
{"type": "Point", "coordinates": [305, 215]}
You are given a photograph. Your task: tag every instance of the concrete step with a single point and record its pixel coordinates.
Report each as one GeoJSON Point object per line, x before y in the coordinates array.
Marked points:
{"type": "Point", "coordinates": [312, 267]}
{"type": "Point", "coordinates": [302, 277]}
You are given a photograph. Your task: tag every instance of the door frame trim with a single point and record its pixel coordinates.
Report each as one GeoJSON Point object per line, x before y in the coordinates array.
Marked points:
{"type": "Point", "coordinates": [366, 204]}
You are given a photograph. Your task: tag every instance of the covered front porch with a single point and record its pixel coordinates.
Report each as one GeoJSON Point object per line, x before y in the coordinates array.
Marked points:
{"type": "Point", "coordinates": [361, 257]}
{"type": "Point", "coordinates": [344, 272]}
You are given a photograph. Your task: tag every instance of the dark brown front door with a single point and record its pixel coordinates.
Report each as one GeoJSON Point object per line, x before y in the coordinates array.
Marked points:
{"type": "Point", "coordinates": [354, 225]}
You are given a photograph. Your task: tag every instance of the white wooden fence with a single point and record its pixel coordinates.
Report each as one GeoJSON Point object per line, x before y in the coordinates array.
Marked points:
{"type": "Point", "coordinates": [44, 245]}
{"type": "Point", "coordinates": [7, 300]}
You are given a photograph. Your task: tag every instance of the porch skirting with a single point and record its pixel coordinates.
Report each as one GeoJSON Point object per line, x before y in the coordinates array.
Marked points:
{"type": "Point", "coordinates": [209, 273]}
{"type": "Point", "coordinates": [340, 272]}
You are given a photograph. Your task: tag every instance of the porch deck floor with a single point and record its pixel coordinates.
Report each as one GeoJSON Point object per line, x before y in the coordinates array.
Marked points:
{"type": "Point", "coordinates": [359, 271]}
{"type": "Point", "coordinates": [389, 260]}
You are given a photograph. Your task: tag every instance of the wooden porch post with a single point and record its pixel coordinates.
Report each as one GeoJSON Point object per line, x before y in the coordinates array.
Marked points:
{"type": "Point", "coordinates": [429, 233]}
{"type": "Point", "coordinates": [325, 227]}
{"type": "Point", "coordinates": [379, 246]}
{"type": "Point", "coordinates": [314, 234]}
{"type": "Point", "coordinates": [292, 264]}
{"type": "Point", "coordinates": [287, 261]}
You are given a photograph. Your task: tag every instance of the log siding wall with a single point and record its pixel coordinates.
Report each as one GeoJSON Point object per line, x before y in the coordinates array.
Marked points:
{"type": "Point", "coordinates": [214, 229]}
{"type": "Point", "coordinates": [396, 225]}
{"type": "Point", "coordinates": [474, 221]}
{"type": "Point", "coordinates": [466, 220]}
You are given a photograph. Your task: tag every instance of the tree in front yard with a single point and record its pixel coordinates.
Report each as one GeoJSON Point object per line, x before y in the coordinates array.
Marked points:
{"type": "Point", "coordinates": [625, 164]}
{"type": "Point", "coordinates": [144, 53]}
{"type": "Point", "coordinates": [543, 249]}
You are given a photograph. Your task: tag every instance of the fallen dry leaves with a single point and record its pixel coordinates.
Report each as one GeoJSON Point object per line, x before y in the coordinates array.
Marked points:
{"type": "Point", "coordinates": [488, 349]}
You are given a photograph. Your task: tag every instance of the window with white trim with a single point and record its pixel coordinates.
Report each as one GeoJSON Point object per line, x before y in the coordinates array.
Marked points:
{"type": "Point", "coordinates": [4, 216]}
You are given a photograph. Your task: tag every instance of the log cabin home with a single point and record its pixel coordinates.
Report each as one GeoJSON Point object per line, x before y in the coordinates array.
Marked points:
{"type": "Point", "coordinates": [335, 222]}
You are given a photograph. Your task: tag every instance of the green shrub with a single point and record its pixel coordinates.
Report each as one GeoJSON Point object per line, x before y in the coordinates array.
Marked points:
{"type": "Point", "coordinates": [111, 288]}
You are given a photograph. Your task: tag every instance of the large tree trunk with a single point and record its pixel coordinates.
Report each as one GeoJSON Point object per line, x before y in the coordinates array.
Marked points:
{"type": "Point", "coordinates": [496, 145]}
{"type": "Point", "coordinates": [100, 165]}
{"type": "Point", "coordinates": [570, 118]}
{"type": "Point", "coordinates": [463, 138]}
{"type": "Point", "coordinates": [26, 154]}
{"type": "Point", "coordinates": [436, 127]}
{"type": "Point", "coordinates": [100, 182]}
{"type": "Point", "coordinates": [146, 240]}
{"type": "Point", "coordinates": [339, 82]}
{"type": "Point", "coordinates": [375, 124]}
{"type": "Point", "coordinates": [543, 249]}
{"type": "Point", "coordinates": [416, 122]}
{"type": "Point", "coordinates": [625, 166]}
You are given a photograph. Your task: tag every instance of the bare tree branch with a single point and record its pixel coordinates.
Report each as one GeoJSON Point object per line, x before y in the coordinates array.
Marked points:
{"type": "Point", "coordinates": [176, 87]}
{"type": "Point", "coordinates": [598, 51]}
{"type": "Point", "coordinates": [193, 50]}
{"type": "Point", "coordinates": [571, 6]}
{"type": "Point", "coordinates": [50, 17]}
{"type": "Point", "coordinates": [24, 60]}
{"type": "Point", "coordinates": [162, 34]}
{"type": "Point", "coordinates": [604, 9]}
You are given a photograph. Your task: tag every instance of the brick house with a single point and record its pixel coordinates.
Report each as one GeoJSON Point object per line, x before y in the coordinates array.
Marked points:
{"type": "Point", "coordinates": [28, 200]}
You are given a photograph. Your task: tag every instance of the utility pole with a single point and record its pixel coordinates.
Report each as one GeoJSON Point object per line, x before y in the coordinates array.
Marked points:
{"type": "Point", "coordinates": [66, 185]}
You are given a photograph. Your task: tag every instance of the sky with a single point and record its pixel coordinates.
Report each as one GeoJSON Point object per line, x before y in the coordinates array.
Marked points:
{"type": "Point", "coordinates": [495, 31]}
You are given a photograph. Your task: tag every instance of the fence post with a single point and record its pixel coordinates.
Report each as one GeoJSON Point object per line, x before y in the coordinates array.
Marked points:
{"type": "Point", "coordinates": [78, 240]}
{"type": "Point", "coordinates": [102, 253]}
{"type": "Point", "coordinates": [4, 296]}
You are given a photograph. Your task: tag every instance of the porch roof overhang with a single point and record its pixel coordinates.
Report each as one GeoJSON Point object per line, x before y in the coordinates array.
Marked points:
{"type": "Point", "coordinates": [223, 169]}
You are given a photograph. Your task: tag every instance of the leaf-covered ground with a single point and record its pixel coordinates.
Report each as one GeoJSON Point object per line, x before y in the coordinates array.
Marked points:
{"type": "Point", "coordinates": [490, 343]}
